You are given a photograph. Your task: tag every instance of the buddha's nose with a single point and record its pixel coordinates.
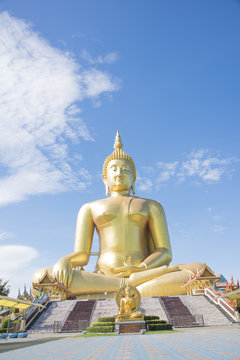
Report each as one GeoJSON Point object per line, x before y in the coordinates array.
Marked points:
{"type": "Point", "coordinates": [119, 171]}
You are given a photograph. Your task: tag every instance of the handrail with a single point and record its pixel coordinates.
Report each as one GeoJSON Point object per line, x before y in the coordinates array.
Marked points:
{"type": "Point", "coordinates": [36, 301]}
{"type": "Point", "coordinates": [44, 300]}
{"type": "Point", "coordinates": [219, 300]}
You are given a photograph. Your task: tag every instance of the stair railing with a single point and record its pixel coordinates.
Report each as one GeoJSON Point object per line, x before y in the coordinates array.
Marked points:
{"type": "Point", "coordinates": [34, 312]}
{"type": "Point", "coordinates": [221, 302]}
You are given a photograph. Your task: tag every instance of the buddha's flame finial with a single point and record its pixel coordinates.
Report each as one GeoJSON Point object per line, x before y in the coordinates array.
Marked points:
{"type": "Point", "coordinates": [118, 142]}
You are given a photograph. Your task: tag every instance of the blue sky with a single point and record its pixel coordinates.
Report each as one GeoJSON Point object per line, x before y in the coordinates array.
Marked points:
{"type": "Point", "coordinates": [166, 74]}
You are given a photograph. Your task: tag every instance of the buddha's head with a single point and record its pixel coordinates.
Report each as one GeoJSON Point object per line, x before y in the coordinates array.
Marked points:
{"type": "Point", "coordinates": [119, 173]}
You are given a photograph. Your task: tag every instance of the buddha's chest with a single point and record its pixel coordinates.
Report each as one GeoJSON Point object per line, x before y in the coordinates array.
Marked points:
{"type": "Point", "coordinates": [130, 209]}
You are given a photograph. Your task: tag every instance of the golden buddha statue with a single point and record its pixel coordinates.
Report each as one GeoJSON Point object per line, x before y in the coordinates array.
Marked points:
{"type": "Point", "coordinates": [128, 300]}
{"type": "Point", "coordinates": [134, 240]}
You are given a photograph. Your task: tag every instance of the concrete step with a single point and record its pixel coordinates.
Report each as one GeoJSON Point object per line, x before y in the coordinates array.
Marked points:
{"type": "Point", "coordinates": [199, 305]}
{"type": "Point", "coordinates": [152, 306]}
{"type": "Point", "coordinates": [57, 311]}
{"type": "Point", "coordinates": [104, 308]}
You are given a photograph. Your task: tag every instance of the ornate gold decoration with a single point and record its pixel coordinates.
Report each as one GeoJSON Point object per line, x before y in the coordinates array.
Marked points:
{"type": "Point", "coordinates": [47, 284]}
{"type": "Point", "coordinates": [201, 280]}
{"type": "Point", "coordinates": [234, 297]}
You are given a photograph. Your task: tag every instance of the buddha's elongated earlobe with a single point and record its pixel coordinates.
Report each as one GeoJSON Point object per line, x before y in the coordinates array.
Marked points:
{"type": "Point", "coordinates": [133, 188]}
{"type": "Point", "coordinates": [106, 189]}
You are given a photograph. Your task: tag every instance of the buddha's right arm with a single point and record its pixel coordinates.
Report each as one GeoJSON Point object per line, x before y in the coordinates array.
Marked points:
{"type": "Point", "coordinates": [83, 237]}
{"type": "Point", "coordinates": [62, 270]}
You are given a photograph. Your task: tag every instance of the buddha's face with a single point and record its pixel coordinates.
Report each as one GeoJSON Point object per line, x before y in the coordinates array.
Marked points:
{"type": "Point", "coordinates": [119, 175]}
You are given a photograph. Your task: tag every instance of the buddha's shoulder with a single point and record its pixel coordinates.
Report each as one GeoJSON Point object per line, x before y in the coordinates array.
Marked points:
{"type": "Point", "coordinates": [93, 204]}
{"type": "Point", "coordinates": [149, 202]}
{"type": "Point", "coordinates": [108, 201]}
{"type": "Point", "coordinates": [152, 206]}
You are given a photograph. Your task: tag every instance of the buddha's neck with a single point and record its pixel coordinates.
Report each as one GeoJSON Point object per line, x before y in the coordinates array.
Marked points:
{"type": "Point", "coordinates": [120, 193]}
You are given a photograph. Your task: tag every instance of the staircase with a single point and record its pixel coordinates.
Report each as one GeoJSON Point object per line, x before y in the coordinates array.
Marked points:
{"type": "Point", "coordinates": [81, 312]}
{"type": "Point", "coordinates": [179, 310]}
{"type": "Point", "coordinates": [56, 311]}
{"type": "Point", "coordinates": [152, 306]}
{"type": "Point", "coordinates": [104, 308]}
{"type": "Point", "coordinates": [178, 314]}
{"type": "Point", "coordinates": [201, 305]}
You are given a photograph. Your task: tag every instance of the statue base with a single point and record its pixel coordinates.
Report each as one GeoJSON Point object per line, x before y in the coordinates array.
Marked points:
{"type": "Point", "coordinates": [135, 316]}
{"type": "Point", "coordinates": [128, 327]}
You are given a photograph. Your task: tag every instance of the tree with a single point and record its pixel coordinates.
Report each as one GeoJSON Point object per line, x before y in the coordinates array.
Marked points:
{"type": "Point", "coordinates": [4, 288]}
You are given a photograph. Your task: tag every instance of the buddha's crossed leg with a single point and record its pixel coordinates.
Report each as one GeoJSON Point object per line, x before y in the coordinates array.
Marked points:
{"type": "Point", "coordinates": [162, 281]}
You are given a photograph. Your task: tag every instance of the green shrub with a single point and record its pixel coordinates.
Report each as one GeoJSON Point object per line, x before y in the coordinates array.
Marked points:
{"type": "Point", "coordinates": [102, 323]}
{"type": "Point", "coordinates": [155, 321]}
{"type": "Point", "coordinates": [151, 317]}
{"type": "Point", "coordinates": [100, 329]}
{"type": "Point", "coordinates": [106, 319]}
{"type": "Point", "coordinates": [155, 327]}
{"type": "Point", "coordinates": [3, 331]}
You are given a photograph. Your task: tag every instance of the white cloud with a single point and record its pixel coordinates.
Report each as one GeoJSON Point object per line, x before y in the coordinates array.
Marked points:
{"type": "Point", "coordinates": [17, 265]}
{"type": "Point", "coordinates": [212, 174]}
{"type": "Point", "coordinates": [198, 154]}
{"type": "Point", "coordinates": [15, 257]}
{"type": "Point", "coordinates": [202, 165]}
{"type": "Point", "coordinates": [144, 184]}
{"type": "Point", "coordinates": [167, 171]}
{"type": "Point", "coordinates": [190, 167]}
{"type": "Point", "coordinates": [219, 228]}
{"type": "Point", "coordinates": [96, 82]}
{"type": "Point", "coordinates": [40, 91]}
{"type": "Point", "coordinates": [108, 58]}
{"type": "Point", "coordinates": [199, 165]}
{"type": "Point", "coordinates": [5, 234]}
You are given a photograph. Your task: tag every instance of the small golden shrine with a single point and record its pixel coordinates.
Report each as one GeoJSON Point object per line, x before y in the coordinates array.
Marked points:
{"type": "Point", "coordinates": [50, 286]}
{"type": "Point", "coordinates": [201, 280]}
{"type": "Point", "coordinates": [128, 300]}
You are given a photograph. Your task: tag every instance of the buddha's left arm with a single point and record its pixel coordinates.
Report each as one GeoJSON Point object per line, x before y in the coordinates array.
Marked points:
{"type": "Point", "coordinates": [157, 224]}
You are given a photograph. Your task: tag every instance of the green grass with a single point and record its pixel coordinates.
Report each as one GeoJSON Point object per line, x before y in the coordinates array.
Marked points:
{"type": "Point", "coordinates": [96, 334]}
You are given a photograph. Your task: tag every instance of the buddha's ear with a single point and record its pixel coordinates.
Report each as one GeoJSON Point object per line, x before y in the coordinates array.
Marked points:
{"type": "Point", "coordinates": [106, 187]}
{"type": "Point", "coordinates": [133, 188]}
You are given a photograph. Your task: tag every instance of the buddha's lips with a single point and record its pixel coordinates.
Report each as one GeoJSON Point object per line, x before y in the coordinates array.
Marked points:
{"type": "Point", "coordinates": [119, 177]}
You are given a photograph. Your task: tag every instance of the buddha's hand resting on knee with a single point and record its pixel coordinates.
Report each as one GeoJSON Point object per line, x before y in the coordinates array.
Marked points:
{"type": "Point", "coordinates": [126, 271]}
{"type": "Point", "coordinates": [62, 271]}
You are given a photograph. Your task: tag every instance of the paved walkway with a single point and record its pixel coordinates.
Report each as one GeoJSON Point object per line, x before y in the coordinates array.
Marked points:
{"type": "Point", "coordinates": [203, 343]}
